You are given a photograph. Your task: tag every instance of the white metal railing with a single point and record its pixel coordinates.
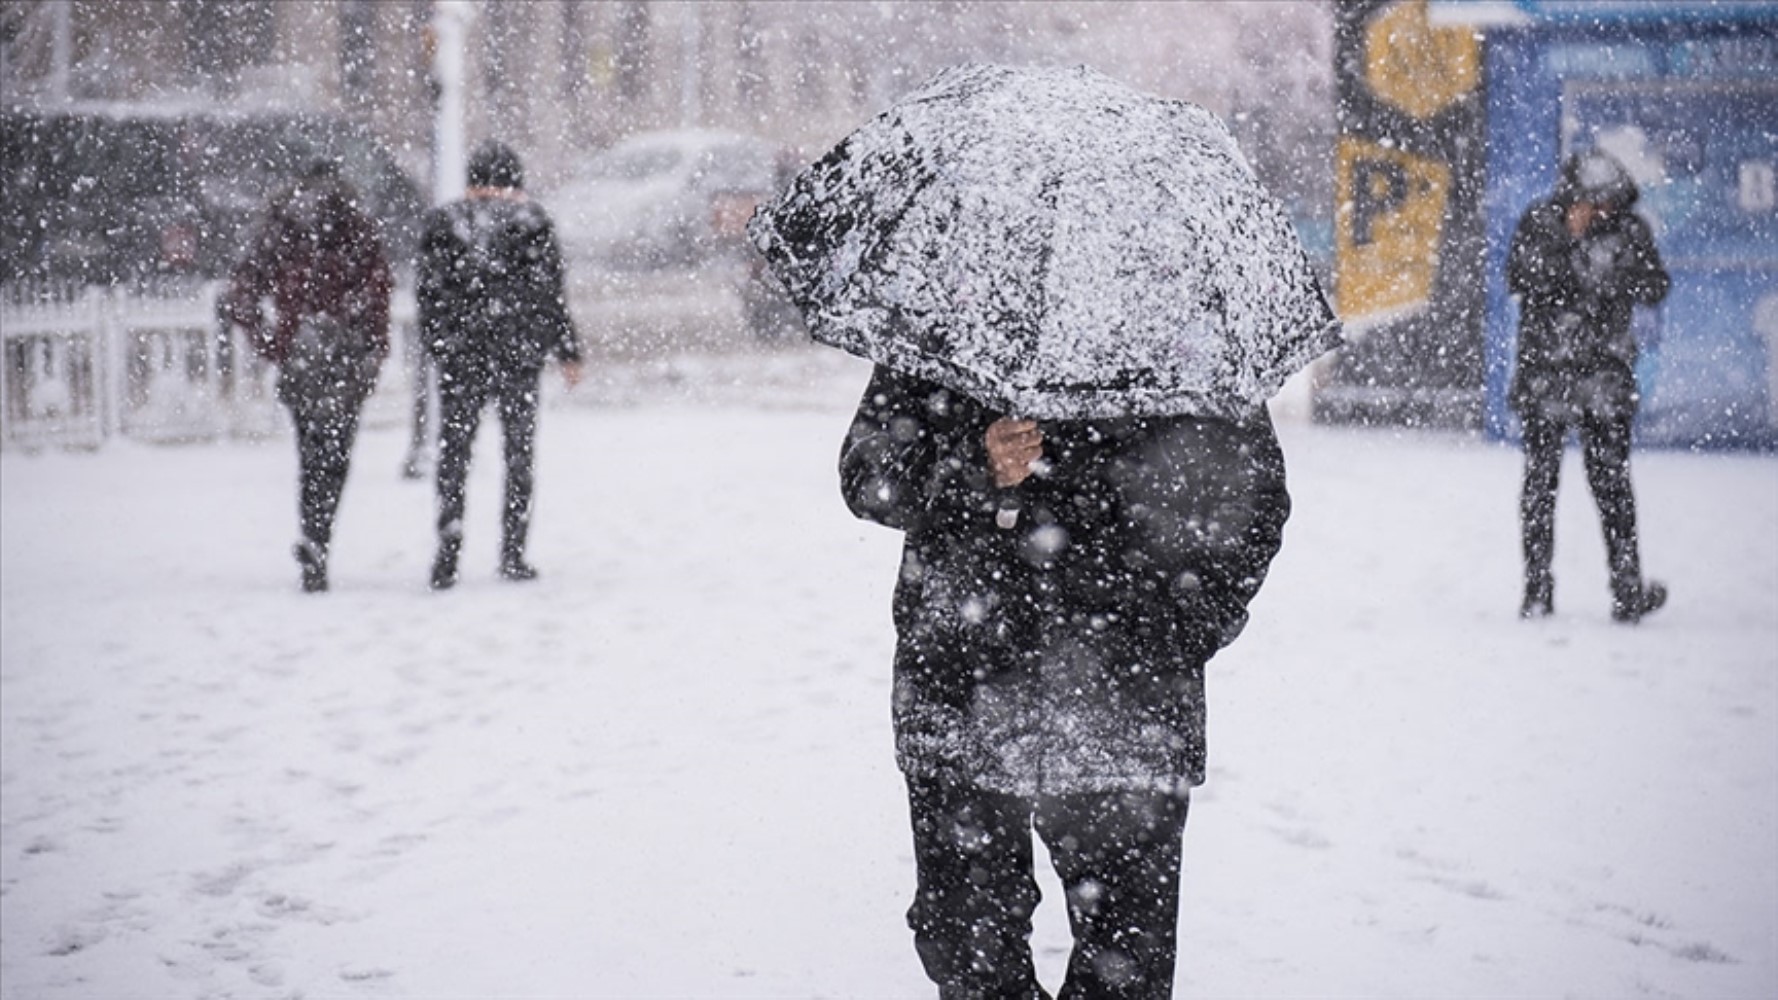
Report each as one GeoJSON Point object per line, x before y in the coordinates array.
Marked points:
{"type": "Point", "coordinates": [79, 365]}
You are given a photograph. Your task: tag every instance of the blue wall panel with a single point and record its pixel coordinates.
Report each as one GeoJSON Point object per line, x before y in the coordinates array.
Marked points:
{"type": "Point", "coordinates": [1695, 101]}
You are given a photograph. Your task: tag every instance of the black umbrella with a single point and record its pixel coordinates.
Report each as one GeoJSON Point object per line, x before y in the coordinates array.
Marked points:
{"type": "Point", "coordinates": [1055, 245]}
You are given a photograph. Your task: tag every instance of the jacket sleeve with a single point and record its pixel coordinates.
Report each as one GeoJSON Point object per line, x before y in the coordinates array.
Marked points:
{"type": "Point", "coordinates": [438, 257]}
{"type": "Point", "coordinates": [1237, 569]}
{"type": "Point", "coordinates": [550, 292]}
{"type": "Point", "coordinates": [368, 303]}
{"type": "Point", "coordinates": [1537, 269]}
{"type": "Point", "coordinates": [1206, 528]}
{"type": "Point", "coordinates": [251, 280]}
{"type": "Point", "coordinates": [1642, 277]}
{"type": "Point", "coordinates": [1520, 274]}
{"type": "Point", "coordinates": [914, 455]}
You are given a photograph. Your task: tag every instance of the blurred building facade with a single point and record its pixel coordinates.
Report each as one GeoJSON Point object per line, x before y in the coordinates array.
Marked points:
{"type": "Point", "coordinates": [560, 78]}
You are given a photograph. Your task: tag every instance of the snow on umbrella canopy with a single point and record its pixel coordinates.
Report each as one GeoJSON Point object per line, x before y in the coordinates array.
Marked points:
{"type": "Point", "coordinates": [1054, 244]}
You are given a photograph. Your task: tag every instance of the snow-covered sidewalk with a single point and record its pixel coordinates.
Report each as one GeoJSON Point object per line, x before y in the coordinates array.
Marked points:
{"type": "Point", "coordinates": [664, 769]}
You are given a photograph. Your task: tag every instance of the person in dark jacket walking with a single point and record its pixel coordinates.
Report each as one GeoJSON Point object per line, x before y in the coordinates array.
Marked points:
{"type": "Point", "coordinates": [319, 259]}
{"type": "Point", "coordinates": [1580, 260]}
{"type": "Point", "coordinates": [1061, 589]}
{"type": "Point", "coordinates": [493, 310]}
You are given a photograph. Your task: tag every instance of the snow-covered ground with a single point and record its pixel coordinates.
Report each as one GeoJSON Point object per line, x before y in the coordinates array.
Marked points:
{"type": "Point", "coordinates": [664, 770]}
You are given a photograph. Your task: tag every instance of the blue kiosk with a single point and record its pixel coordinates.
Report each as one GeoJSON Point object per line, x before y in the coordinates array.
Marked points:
{"type": "Point", "coordinates": [1685, 94]}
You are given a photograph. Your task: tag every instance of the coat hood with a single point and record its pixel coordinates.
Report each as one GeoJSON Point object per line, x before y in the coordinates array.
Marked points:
{"type": "Point", "coordinates": [323, 207]}
{"type": "Point", "coordinates": [1598, 177]}
{"type": "Point", "coordinates": [495, 165]}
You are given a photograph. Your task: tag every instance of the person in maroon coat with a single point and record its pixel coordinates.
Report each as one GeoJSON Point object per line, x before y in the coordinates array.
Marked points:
{"type": "Point", "coordinates": [320, 261]}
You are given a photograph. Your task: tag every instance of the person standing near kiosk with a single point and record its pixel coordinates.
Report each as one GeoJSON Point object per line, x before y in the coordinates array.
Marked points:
{"type": "Point", "coordinates": [1580, 261]}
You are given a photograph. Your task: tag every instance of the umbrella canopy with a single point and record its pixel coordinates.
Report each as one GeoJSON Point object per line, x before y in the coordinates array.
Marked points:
{"type": "Point", "coordinates": [1054, 244]}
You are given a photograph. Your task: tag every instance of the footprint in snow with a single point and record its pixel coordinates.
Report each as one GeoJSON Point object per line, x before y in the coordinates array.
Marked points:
{"type": "Point", "coordinates": [1301, 837]}
{"type": "Point", "coordinates": [225, 881]}
{"type": "Point", "coordinates": [1642, 935]}
{"type": "Point", "coordinates": [70, 940]}
{"type": "Point", "coordinates": [1473, 888]}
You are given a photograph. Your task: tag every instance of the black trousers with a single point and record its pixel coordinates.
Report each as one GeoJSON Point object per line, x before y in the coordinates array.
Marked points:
{"type": "Point", "coordinates": [462, 398]}
{"type": "Point", "coordinates": [326, 426]}
{"type": "Point", "coordinates": [1605, 452]}
{"type": "Point", "coordinates": [1118, 858]}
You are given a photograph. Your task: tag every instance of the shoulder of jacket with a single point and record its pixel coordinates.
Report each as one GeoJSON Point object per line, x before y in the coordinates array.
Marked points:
{"type": "Point", "coordinates": [531, 215]}
{"type": "Point", "coordinates": [439, 218]}
{"type": "Point", "coordinates": [1544, 211]}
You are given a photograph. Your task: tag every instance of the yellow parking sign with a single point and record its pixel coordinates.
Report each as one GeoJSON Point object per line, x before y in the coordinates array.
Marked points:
{"type": "Point", "coordinates": [1388, 228]}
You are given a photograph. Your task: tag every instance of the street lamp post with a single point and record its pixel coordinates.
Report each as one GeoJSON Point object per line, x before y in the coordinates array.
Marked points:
{"type": "Point", "coordinates": [450, 22]}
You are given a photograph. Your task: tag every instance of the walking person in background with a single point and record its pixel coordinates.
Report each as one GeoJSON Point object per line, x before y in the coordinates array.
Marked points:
{"type": "Point", "coordinates": [320, 261]}
{"type": "Point", "coordinates": [1580, 260]}
{"type": "Point", "coordinates": [493, 310]}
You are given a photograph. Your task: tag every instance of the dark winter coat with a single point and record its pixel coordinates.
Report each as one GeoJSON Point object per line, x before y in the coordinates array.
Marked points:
{"type": "Point", "coordinates": [318, 258]}
{"type": "Point", "coordinates": [1065, 654]}
{"type": "Point", "coordinates": [1577, 355]}
{"type": "Point", "coordinates": [491, 295]}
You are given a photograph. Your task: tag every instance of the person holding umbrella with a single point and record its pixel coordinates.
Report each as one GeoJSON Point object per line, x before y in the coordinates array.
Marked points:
{"type": "Point", "coordinates": [1077, 298]}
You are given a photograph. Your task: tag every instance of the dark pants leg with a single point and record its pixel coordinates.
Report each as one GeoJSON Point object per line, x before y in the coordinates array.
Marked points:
{"type": "Point", "coordinates": [1118, 858]}
{"type": "Point", "coordinates": [975, 893]}
{"type": "Point", "coordinates": [1537, 504]}
{"type": "Point", "coordinates": [461, 400]}
{"type": "Point", "coordinates": [518, 425]}
{"type": "Point", "coordinates": [1605, 447]}
{"type": "Point", "coordinates": [325, 430]}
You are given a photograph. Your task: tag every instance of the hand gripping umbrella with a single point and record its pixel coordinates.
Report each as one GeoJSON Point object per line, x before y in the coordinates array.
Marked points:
{"type": "Point", "coordinates": [1056, 246]}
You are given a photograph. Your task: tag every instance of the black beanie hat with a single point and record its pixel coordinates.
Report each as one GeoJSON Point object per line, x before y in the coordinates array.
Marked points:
{"type": "Point", "coordinates": [494, 164]}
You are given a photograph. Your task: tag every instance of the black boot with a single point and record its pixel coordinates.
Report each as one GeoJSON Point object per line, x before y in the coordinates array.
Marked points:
{"type": "Point", "coordinates": [444, 566]}
{"type": "Point", "coordinates": [512, 545]}
{"type": "Point", "coordinates": [1539, 599]}
{"type": "Point", "coordinates": [313, 560]}
{"type": "Point", "coordinates": [514, 568]}
{"type": "Point", "coordinates": [1630, 606]}
{"type": "Point", "coordinates": [512, 562]}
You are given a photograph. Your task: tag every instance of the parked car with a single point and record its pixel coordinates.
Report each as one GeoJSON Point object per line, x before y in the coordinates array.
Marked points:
{"type": "Point", "coordinates": [766, 306]}
{"type": "Point", "coordinates": [107, 197]}
{"type": "Point", "coordinates": [664, 199]}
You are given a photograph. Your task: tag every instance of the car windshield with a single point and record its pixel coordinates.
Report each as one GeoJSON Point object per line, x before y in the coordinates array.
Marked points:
{"type": "Point", "coordinates": [246, 161]}
{"type": "Point", "coordinates": [740, 166]}
{"type": "Point", "coordinates": [635, 164]}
